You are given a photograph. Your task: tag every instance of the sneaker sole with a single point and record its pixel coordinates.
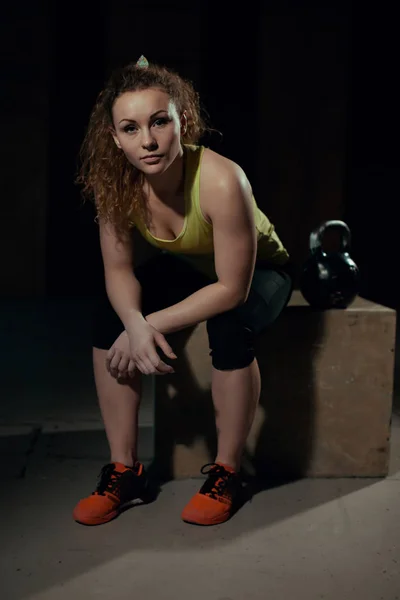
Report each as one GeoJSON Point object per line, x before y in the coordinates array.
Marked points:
{"type": "Point", "coordinates": [100, 520]}
{"type": "Point", "coordinates": [112, 515]}
{"type": "Point", "coordinates": [222, 518]}
{"type": "Point", "coordinates": [217, 521]}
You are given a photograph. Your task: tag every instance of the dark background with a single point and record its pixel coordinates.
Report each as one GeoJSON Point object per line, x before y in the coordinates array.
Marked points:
{"type": "Point", "coordinates": [303, 92]}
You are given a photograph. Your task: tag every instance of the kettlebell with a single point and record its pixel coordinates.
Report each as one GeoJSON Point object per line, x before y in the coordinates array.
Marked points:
{"type": "Point", "coordinates": [329, 279]}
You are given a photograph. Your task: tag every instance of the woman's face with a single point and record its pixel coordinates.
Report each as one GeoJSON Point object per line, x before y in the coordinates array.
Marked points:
{"type": "Point", "coordinates": [147, 128]}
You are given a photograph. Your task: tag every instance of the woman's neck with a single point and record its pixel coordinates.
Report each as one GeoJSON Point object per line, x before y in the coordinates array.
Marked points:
{"type": "Point", "coordinates": [167, 186]}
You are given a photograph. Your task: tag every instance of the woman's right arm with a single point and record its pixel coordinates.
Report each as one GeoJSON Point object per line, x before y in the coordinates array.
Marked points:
{"type": "Point", "coordinates": [123, 289]}
{"type": "Point", "coordinates": [124, 292]}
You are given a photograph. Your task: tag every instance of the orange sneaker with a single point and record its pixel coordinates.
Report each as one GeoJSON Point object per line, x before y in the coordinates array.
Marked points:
{"type": "Point", "coordinates": [118, 485]}
{"type": "Point", "coordinates": [217, 498]}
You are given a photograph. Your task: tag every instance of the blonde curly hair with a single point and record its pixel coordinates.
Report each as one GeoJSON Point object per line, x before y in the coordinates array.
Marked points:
{"type": "Point", "coordinates": [106, 176]}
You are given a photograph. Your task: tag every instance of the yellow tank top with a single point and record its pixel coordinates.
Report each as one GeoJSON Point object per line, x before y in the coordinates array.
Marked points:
{"type": "Point", "coordinates": [195, 241]}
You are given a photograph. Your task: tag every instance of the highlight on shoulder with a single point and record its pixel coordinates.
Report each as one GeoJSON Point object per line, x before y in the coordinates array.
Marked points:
{"type": "Point", "coordinates": [220, 173]}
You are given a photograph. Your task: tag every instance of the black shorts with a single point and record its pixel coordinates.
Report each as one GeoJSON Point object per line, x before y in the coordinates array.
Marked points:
{"type": "Point", "coordinates": [167, 280]}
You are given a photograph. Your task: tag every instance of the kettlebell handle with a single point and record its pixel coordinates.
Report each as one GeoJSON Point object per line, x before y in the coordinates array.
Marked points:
{"type": "Point", "coordinates": [317, 235]}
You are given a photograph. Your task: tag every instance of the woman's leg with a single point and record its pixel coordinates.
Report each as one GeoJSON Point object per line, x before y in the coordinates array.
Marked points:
{"type": "Point", "coordinates": [236, 381]}
{"type": "Point", "coordinates": [235, 391]}
{"type": "Point", "coordinates": [235, 396]}
{"type": "Point", "coordinates": [119, 406]}
{"type": "Point", "coordinates": [165, 280]}
{"type": "Point", "coordinates": [123, 479]}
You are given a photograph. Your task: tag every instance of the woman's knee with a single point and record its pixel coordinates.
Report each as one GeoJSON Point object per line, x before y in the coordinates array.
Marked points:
{"type": "Point", "coordinates": [268, 297]}
{"type": "Point", "coordinates": [231, 343]}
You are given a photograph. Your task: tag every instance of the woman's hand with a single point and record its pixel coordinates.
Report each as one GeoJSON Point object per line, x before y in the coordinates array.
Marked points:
{"type": "Point", "coordinates": [119, 362]}
{"type": "Point", "coordinates": [144, 339]}
{"type": "Point", "coordinates": [136, 348]}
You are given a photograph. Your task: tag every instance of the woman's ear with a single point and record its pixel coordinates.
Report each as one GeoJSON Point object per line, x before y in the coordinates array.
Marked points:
{"type": "Point", "coordinates": [184, 122]}
{"type": "Point", "coordinates": [114, 135]}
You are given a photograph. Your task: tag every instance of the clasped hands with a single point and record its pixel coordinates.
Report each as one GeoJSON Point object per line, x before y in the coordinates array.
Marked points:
{"type": "Point", "coordinates": [136, 348]}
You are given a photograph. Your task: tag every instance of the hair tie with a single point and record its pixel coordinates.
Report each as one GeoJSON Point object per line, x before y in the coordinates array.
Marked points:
{"type": "Point", "coordinates": [142, 63]}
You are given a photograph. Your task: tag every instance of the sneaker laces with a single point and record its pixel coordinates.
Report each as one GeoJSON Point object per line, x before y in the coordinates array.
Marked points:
{"type": "Point", "coordinates": [219, 481]}
{"type": "Point", "coordinates": [109, 481]}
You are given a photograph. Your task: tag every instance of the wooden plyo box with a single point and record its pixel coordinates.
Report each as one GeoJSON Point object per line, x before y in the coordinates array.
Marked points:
{"type": "Point", "coordinates": [326, 400]}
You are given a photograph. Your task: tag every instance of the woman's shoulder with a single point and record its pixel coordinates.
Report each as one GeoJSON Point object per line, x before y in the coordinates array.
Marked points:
{"type": "Point", "coordinates": [217, 171]}
{"type": "Point", "coordinates": [222, 181]}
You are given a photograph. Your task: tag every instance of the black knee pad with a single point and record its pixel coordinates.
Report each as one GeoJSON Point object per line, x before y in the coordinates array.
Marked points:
{"type": "Point", "coordinates": [231, 343]}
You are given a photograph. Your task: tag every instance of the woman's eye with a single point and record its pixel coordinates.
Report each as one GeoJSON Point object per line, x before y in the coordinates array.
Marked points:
{"type": "Point", "coordinates": [129, 128]}
{"type": "Point", "coordinates": [160, 122]}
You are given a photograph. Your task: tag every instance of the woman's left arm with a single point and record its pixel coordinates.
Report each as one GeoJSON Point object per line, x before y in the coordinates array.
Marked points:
{"type": "Point", "coordinates": [235, 248]}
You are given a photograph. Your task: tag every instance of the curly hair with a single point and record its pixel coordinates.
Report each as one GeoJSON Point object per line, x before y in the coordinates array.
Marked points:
{"type": "Point", "coordinates": [107, 177]}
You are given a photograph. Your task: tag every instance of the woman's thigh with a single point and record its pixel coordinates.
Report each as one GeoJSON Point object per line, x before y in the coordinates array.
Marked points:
{"type": "Point", "coordinates": [232, 334]}
{"type": "Point", "coordinates": [269, 294]}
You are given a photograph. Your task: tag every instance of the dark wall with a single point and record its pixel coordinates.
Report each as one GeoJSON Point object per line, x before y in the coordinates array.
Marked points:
{"type": "Point", "coordinates": [303, 72]}
{"type": "Point", "coordinates": [24, 102]}
{"type": "Point", "coordinates": [372, 161]}
{"type": "Point", "coordinates": [77, 67]}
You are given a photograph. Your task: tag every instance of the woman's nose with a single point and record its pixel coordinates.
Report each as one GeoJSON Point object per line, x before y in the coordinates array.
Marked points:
{"type": "Point", "coordinates": [148, 141]}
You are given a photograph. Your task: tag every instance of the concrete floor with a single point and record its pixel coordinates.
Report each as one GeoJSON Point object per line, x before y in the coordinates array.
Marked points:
{"type": "Point", "coordinates": [311, 539]}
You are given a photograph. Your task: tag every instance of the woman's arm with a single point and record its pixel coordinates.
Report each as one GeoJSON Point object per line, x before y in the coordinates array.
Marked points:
{"type": "Point", "coordinates": [123, 289]}
{"type": "Point", "coordinates": [124, 292]}
{"type": "Point", "coordinates": [235, 245]}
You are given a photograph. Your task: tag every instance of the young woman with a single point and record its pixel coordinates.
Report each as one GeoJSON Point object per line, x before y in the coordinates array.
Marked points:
{"type": "Point", "coordinates": [220, 261]}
